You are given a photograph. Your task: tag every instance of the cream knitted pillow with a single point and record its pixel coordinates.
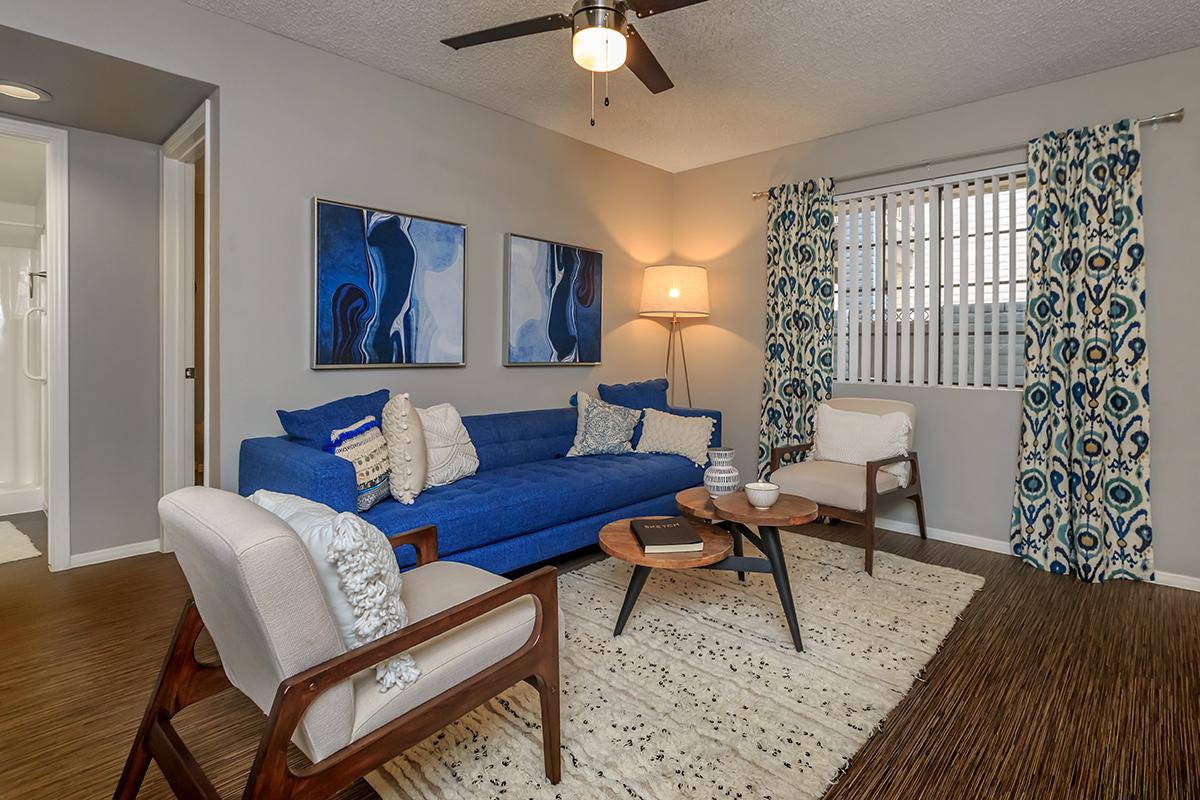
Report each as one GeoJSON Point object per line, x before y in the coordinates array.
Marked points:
{"type": "Point", "coordinates": [677, 435]}
{"type": "Point", "coordinates": [406, 448]}
{"type": "Point", "coordinates": [449, 453]}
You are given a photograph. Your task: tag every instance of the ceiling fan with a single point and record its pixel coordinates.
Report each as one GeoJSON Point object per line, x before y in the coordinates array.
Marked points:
{"type": "Point", "coordinates": [602, 40]}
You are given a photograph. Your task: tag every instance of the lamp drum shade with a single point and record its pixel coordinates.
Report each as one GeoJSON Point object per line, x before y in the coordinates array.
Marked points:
{"type": "Point", "coordinates": [674, 291]}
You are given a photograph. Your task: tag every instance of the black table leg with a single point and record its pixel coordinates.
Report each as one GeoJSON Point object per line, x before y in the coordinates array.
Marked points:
{"type": "Point", "coordinates": [774, 553]}
{"type": "Point", "coordinates": [636, 583]}
{"type": "Point", "coordinates": [736, 530]}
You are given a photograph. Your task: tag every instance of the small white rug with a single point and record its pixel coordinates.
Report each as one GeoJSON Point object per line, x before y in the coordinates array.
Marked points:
{"type": "Point", "coordinates": [15, 545]}
{"type": "Point", "coordinates": [703, 694]}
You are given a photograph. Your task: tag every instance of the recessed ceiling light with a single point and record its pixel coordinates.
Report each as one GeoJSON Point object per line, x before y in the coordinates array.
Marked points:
{"type": "Point", "coordinates": [23, 91]}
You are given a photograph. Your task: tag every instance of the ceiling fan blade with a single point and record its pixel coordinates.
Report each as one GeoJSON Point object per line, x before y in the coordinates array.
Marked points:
{"type": "Point", "coordinates": [551, 22]}
{"type": "Point", "coordinates": [643, 64]}
{"type": "Point", "coordinates": [648, 8]}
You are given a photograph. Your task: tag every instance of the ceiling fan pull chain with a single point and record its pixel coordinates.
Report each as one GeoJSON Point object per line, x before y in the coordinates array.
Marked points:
{"type": "Point", "coordinates": [593, 99]}
{"type": "Point", "coordinates": [606, 64]}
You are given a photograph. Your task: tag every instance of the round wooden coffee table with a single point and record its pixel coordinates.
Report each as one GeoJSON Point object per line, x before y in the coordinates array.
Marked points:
{"type": "Point", "coordinates": [617, 539]}
{"type": "Point", "coordinates": [788, 510]}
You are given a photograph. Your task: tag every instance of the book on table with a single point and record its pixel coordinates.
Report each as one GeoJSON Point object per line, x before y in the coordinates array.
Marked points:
{"type": "Point", "coordinates": [673, 535]}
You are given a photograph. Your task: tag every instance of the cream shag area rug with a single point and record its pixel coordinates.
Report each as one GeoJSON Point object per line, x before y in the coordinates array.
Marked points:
{"type": "Point", "coordinates": [703, 694]}
{"type": "Point", "coordinates": [15, 545]}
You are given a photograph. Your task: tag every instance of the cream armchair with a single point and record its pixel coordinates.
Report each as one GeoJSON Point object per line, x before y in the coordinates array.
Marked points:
{"type": "Point", "coordinates": [473, 635]}
{"type": "Point", "coordinates": [848, 491]}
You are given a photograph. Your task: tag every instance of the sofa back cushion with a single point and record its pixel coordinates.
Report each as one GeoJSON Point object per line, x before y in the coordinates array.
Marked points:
{"type": "Point", "coordinates": [640, 395]}
{"type": "Point", "coordinates": [519, 437]}
{"type": "Point", "coordinates": [311, 426]}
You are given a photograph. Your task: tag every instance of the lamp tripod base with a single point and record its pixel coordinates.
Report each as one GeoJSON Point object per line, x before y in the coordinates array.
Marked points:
{"type": "Point", "coordinates": [676, 335]}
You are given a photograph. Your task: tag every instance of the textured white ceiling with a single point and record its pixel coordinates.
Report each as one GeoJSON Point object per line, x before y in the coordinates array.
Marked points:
{"type": "Point", "coordinates": [750, 75]}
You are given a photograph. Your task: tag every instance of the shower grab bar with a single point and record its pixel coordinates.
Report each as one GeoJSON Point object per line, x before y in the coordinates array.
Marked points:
{"type": "Point", "coordinates": [26, 361]}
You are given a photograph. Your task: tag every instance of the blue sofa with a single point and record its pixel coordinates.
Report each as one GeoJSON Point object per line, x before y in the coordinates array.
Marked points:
{"type": "Point", "coordinates": [526, 504]}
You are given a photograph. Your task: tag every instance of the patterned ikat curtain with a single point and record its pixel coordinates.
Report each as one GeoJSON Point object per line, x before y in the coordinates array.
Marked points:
{"type": "Point", "coordinates": [1082, 498]}
{"type": "Point", "coordinates": [801, 258]}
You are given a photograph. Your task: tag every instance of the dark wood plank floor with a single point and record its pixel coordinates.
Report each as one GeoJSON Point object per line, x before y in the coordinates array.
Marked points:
{"type": "Point", "coordinates": [1046, 688]}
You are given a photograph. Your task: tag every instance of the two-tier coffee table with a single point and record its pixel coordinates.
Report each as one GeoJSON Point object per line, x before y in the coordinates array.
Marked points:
{"type": "Point", "coordinates": [722, 548]}
{"type": "Point", "coordinates": [617, 539]}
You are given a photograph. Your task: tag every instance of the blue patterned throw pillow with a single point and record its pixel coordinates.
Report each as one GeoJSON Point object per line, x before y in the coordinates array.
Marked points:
{"type": "Point", "coordinates": [603, 427]}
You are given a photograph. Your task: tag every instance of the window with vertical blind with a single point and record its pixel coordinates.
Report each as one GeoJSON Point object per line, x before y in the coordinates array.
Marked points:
{"type": "Point", "coordinates": [932, 282]}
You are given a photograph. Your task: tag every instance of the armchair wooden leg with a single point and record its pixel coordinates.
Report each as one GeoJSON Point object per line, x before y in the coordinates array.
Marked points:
{"type": "Point", "coordinates": [869, 546]}
{"type": "Point", "coordinates": [183, 681]}
{"type": "Point", "coordinates": [920, 504]}
{"type": "Point", "coordinates": [547, 687]}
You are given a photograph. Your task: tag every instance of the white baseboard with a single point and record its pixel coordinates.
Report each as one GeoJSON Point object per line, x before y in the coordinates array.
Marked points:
{"type": "Point", "coordinates": [1178, 581]}
{"type": "Point", "coordinates": [995, 546]}
{"type": "Point", "coordinates": [942, 535]}
{"type": "Point", "coordinates": [113, 553]}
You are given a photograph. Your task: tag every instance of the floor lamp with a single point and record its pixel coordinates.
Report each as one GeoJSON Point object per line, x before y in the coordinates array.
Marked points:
{"type": "Point", "coordinates": [675, 293]}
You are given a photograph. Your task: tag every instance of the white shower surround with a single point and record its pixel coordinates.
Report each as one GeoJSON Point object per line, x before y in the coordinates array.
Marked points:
{"type": "Point", "coordinates": [22, 401]}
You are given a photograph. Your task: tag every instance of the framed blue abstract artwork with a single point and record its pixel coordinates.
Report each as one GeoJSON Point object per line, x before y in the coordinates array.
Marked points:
{"type": "Point", "coordinates": [389, 289]}
{"type": "Point", "coordinates": [552, 310]}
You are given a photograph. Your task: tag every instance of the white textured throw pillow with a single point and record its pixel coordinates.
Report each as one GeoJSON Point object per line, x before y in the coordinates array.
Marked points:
{"type": "Point", "coordinates": [449, 453]}
{"type": "Point", "coordinates": [357, 570]}
{"type": "Point", "coordinates": [675, 434]}
{"type": "Point", "coordinates": [405, 438]}
{"type": "Point", "coordinates": [856, 438]}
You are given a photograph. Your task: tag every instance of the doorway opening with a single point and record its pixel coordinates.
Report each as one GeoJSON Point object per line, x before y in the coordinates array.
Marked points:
{"type": "Point", "coordinates": [187, 289]}
{"type": "Point", "coordinates": [34, 490]}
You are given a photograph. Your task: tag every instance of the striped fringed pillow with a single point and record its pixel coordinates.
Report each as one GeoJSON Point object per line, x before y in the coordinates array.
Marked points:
{"type": "Point", "coordinates": [363, 445]}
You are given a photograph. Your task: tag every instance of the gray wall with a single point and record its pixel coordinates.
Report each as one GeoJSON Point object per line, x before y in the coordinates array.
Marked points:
{"type": "Point", "coordinates": [114, 339]}
{"type": "Point", "coordinates": [967, 438]}
{"type": "Point", "coordinates": [296, 123]}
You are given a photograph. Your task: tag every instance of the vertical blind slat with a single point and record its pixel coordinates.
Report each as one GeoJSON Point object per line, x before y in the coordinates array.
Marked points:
{"type": "Point", "coordinates": [964, 322]}
{"type": "Point", "coordinates": [854, 256]}
{"type": "Point", "coordinates": [920, 331]}
{"type": "Point", "coordinates": [977, 274]}
{"type": "Point", "coordinates": [879, 319]}
{"type": "Point", "coordinates": [948, 339]}
{"type": "Point", "coordinates": [1012, 283]}
{"type": "Point", "coordinates": [994, 269]}
{"type": "Point", "coordinates": [935, 286]}
{"type": "Point", "coordinates": [905, 287]}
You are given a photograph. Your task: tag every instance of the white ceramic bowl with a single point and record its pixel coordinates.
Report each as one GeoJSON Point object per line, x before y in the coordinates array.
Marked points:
{"type": "Point", "coordinates": [762, 495]}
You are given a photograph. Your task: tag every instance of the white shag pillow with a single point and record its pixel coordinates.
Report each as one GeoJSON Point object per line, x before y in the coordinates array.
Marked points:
{"type": "Point", "coordinates": [449, 453]}
{"type": "Point", "coordinates": [405, 438]}
{"type": "Point", "coordinates": [677, 435]}
{"type": "Point", "coordinates": [356, 568]}
{"type": "Point", "coordinates": [853, 437]}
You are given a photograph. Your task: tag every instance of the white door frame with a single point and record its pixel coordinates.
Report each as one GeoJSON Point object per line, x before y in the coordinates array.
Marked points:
{"type": "Point", "coordinates": [178, 157]}
{"type": "Point", "coordinates": [58, 394]}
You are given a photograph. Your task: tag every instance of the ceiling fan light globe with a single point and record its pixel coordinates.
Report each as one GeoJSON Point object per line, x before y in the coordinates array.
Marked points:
{"type": "Point", "coordinates": [599, 49]}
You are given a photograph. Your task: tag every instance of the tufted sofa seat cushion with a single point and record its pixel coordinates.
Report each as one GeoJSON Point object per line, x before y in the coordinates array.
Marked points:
{"type": "Point", "coordinates": [510, 501]}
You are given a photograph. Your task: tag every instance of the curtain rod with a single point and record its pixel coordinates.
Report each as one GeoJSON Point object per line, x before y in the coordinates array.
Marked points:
{"type": "Point", "coordinates": [1172, 116]}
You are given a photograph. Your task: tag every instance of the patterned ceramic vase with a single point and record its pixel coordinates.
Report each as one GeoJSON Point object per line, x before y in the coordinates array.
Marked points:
{"type": "Point", "coordinates": [722, 477]}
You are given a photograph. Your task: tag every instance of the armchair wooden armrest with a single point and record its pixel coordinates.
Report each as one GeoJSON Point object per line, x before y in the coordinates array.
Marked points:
{"type": "Point", "coordinates": [536, 661]}
{"type": "Point", "coordinates": [777, 453]}
{"type": "Point", "coordinates": [423, 540]}
{"type": "Point", "coordinates": [914, 481]}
